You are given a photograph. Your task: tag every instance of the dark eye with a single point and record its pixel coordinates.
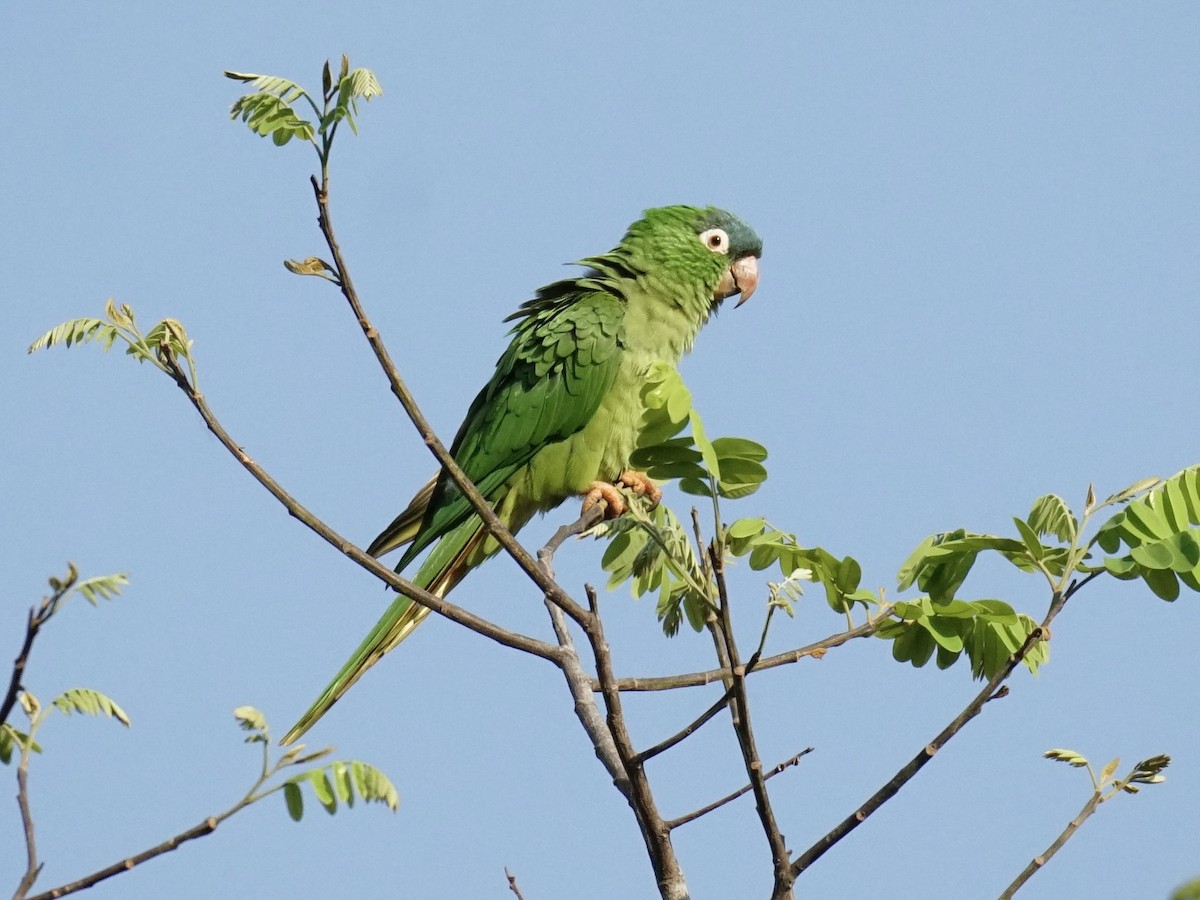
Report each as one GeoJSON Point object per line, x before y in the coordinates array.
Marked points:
{"type": "Point", "coordinates": [715, 239]}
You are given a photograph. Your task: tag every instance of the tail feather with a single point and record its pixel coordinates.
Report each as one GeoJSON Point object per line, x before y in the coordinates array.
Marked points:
{"type": "Point", "coordinates": [405, 526]}
{"type": "Point", "coordinates": [449, 561]}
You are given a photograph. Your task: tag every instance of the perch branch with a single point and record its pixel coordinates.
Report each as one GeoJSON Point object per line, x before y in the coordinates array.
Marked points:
{"type": "Point", "coordinates": [697, 679]}
{"type": "Point", "coordinates": [740, 710]}
{"type": "Point", "coordinates": [655, 833]}
{"type": "Point", "coordinates": [491, 522]}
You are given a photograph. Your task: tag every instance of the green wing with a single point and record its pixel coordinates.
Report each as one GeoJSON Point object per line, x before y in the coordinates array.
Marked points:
{"type": "Point", "coordinates": [548, 384]}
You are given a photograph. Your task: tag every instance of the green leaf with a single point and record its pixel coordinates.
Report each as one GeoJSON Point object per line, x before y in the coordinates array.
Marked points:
{"type": "Point", "coordinates": [946, 658]}
{"type": "Point", "coordinates": [1146, 522]}
{"type": "Point", "coordinates": [946, 632]}
{"type": "Point", "coordinates": [1070, 757]}
{"type": "Point", "coordinates": [1133, 490]}
{"type": "Point", "coordinates": [294, 800]}
{"type": "Point", "coordinates": [678, 449]}
{"type": "Point", "coordinates": [363, 84]}
{"type": "Point", "coordinates": [73, 331]}
{"type": "Point", "coordinates": [702, 444]}
{"type": "Point", "coordinates": [102, 587]}
{"type": "Point", "coordinates": [763, 556]}
{"type": "Point", "coordinates": [251, 720]}
{"type": "Point", "coordinates": [1154, 555]}
{"type": "Point", "coordinates": [12, 740]}
{"type": "Point", "coordinates": [922, 647]}
{"type": "Point", "coordinates": [739, 448]}
{"type": "Point", "coordinates": [270, 115]}
{"type": "Point", "coordinates": [672, 470]}
{"type": "Point", "coordinates": [1173, 504]}
{"type": "Point", "coordinates": [319, 779]}
{"type": "Point", "coordinates": [737, 472]}
{"type": "Point", "coordinates": [745, 528]}
{"type": "Point", "coordinates": [342, 785]}
{"type": "Point", "coordinates": [1030, 539]}
{"type": "Point", "coordinates": [1109, 770]}
{"type": "Point", "coordinates": [1164, 583]}
{"type": "Point", "coordinates": [736, 491]}
{"type": "Point", "coordinates": [90, 703]}
{"type": "Point", "coordinates": [695, 487]}
{"type": "Point", "coordinates": [849, 575]}
{"type": "Point", "coordinates": [1051, 515]}
{"type": "Point", "coordinates": [373, 786]}
{"type": "Point", "coordinates": [270, 84]}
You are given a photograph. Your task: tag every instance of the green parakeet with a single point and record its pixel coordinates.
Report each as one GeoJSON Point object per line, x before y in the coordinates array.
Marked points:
{"type": "Point", "coordinates": [561, 415]}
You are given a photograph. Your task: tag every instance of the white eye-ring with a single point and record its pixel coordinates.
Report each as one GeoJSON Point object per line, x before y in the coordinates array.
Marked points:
{"type": "Point", "coordinates": [715, 239]}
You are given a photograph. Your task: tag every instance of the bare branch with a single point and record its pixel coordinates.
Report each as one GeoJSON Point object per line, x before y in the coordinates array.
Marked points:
{"type": "Point", "coordinates": [990, 691]}
{"type": "Point", "coordinates": [687, 731]}
{"type": "Point", "coordinates": [1037, 862]}
{"type": "Point", "coordinates": [491, 522]}
{"type": "Point", "coordinates": [36, 619]}
{"type": "Point", "coordinates": [512, 883]}
{"type": "Point", "coordinates": [208, 826]}
{"type": "Point", "coordinates": [740, 709]}
{"type": "Point", "coordinates": [717, 804]}
{"type": "Point", "coordinates": [38, 616]}
{"type": "Point", "coordinates": [655, 833]}
{"type": "Point", "coordinates": [698, 679]}
{"type": "Point", "coordinates": [397, 583]}
{"type": "Point", "coordinates": [579, 684]}
{"type": "Point", "coordinates": [586, 520]}
{"type": "Point", "coordinates": [32, 866]}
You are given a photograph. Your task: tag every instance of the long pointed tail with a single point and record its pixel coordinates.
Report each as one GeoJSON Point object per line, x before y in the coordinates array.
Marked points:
{"type": "Point", "coordinates": [445, 566]}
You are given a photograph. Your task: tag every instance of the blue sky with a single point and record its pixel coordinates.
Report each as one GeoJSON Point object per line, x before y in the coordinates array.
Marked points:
{"type": "Point", "coordinates": [978, 286]}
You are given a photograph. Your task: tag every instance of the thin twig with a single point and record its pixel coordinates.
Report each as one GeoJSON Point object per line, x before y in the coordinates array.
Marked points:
{"type": "Point", "coordinates": [208, 826]}
{"type": "Point", "coordinates": [969, 712]}
{"type": "Point", "coordinates": [698, 679]}
{"type": "Point", "coordinates": [655, 834]}
{"type": "Point", "coordinates": [512, 883]}
{"type": "Point", "coordinates": [38, 616]}
{"type": "Point", "coordinates": [1038, 861]}
{"type": "Point", "coordinates": [32, 866]}
{"type": "Point", "coordinates": [745, 789]}
{"type": "Point", "coordinates": [690, 729]}
{"type": "Point", "coordinates": [586, 520]}
{"type": "Point", "coordinates": [707, 715]}
{"type": "Point", "coordinates": [739, 706]}
{"type": "Point", "coordinates": [579, 684]}
{"type": "Point", "coordinates": [396, 582]}
{"type": "Point", "coordinates": [36, 619]}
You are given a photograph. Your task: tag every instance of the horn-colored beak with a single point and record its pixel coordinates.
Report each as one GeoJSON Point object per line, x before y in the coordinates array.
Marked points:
{"type": "Point", "coordinates": [740, 278]}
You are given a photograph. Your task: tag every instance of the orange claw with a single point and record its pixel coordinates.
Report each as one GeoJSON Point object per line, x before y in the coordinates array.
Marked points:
{"type": "Point", "coordinates": [640, 483]}
{"type": "Point", "coordinates": [602, 490]}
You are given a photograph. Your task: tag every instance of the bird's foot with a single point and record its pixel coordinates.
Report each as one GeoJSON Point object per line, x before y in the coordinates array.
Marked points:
{"type": "Point", "coordinates": [603, 490]}
{"type": "Point", "coordinates": [615, 504]}
{"type": "Point", "coordinates": [640, 483]}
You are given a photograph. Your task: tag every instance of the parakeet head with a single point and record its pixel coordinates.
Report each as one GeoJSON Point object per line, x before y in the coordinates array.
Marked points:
{"type": "Point", "coordinates": [711, 244]}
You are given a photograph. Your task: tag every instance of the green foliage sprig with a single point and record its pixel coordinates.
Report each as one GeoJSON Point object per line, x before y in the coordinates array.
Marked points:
{"type": "Point", "coordinates": [1105, 786]}
{"type": "Point", "coordinates": [270, 112]}
{"type": "Point", "coordinates": [166, 341]}
{"type": "Point", "coordinates": [330, 782]}
{"type": "Point", "coordinates": [1159, 530]}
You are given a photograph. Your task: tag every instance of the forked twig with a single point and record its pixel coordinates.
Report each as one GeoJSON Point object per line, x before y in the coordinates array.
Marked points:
{"type": "Point", "coordinates": [728, 798]}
